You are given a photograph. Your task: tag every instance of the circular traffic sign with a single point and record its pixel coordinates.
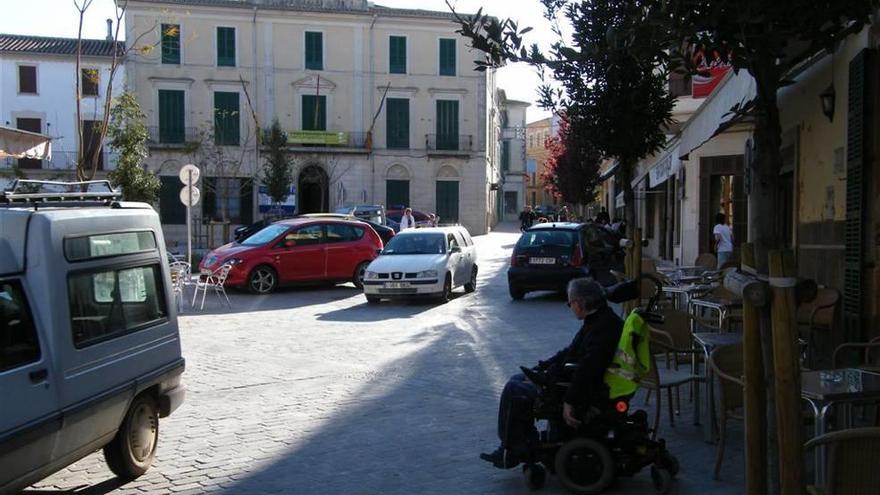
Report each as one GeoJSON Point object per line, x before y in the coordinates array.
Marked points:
{"type": "Point", "coordinates": [189, 174]}
{"type": "Point", "coordinates": [185, 195]}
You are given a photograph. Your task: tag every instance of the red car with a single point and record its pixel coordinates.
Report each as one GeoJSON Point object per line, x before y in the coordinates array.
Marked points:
{"type": "Point", "coordinates": [298, 250]}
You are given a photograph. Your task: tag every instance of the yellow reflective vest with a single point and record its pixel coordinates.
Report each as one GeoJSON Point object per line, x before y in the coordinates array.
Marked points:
{"type": "Point", "coordinates": [632, 359]}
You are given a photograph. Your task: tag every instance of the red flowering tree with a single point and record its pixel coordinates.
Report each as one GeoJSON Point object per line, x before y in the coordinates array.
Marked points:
{"type": "Point", "coordinates": [572, 169]}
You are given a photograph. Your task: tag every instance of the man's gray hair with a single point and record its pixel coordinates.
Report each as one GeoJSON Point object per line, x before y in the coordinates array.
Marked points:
{"type": "Point", "coordinates": [587, 292]}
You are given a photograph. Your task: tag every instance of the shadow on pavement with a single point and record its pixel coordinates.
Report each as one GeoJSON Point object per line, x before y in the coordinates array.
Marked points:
{"type": "Point", "coordinates": [101, 488]}
{"type": "Point", "coordinates": [284, 298]}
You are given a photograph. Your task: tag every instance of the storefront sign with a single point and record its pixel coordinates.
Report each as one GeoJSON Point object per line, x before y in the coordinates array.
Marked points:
{"type": "Point", "coordinates": [662, 170]}
{"type": "Point", "coordinates": [318, 137]}
{"type": "Point", "coordinates": [619, 201]}
{"type": "Point", "coordinates": [710, 71]}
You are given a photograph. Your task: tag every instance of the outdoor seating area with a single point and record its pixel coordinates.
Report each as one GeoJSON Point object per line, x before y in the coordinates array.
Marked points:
{"type": "Point", "coordinates": [183, 282]}
{"type": "Point", "coordinates": [703, 333]}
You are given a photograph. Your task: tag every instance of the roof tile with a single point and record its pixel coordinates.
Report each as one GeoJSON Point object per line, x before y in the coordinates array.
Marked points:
{"type": "Point", "coordinates": [16, 43]}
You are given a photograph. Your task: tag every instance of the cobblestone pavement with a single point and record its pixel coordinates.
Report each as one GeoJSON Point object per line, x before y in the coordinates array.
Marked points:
{"type": "Point", "coordinates": [312, 391]}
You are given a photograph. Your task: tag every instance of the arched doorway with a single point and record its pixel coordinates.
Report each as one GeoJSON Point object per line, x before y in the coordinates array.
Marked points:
{"type": "Point", "coordinates": [313, 190]}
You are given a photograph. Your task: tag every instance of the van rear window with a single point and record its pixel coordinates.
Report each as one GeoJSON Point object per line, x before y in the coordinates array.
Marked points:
{"type": "Point", "coordinates": [104, 245]}
{"type": "Point", "coordinates": [560, 238]}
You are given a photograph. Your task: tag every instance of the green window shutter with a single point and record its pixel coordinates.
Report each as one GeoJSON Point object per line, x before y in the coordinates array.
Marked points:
{"type": "Point", "coordinates": [314, 51]}
{"type": "Point", "coordinates": [505, 155]}
{"type": "Point", "coordinates": [397, 125]}
{"type": "Point", "coordinates": [247, 202]}
{"type": "Point", "coordinates": [447, 57]}
{"type": "Point", "coordinates": [447, 124]}
{"type": "Point", "coordinates": [226, 119]}
{"type": "Point", "coordinates": [314, 113]}
{"type": "Point", "coordinates": [447, 201]}
{"type": "Point", "coordinates": [209, 203]}
{"type": "Point", "coordinates": [397, 55]}
{"type": "Point", "coordinates": [170, 43]}
{"type": "Point", "coordinates": [396, 192]}
{"type": "Point", "coordinates": [226, 47]}
{"type": "Point", "coordinates": [171, 116]}
{"type": "Point", "coordinates": [856, 137]}
{"type": "Point", "coordinates": [171, 210]}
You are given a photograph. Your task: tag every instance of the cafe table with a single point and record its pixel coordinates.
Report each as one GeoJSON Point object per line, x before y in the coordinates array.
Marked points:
{"type": "Point", "coordinates": [707, 342]}
{"type": "Point", "coordinates": [722, 305]}
{"type": "Point", "coordinates": [824, 389]}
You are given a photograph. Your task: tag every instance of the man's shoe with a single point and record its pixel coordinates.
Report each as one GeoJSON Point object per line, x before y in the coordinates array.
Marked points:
{"type": "Point", "coordinates": [501, 458]}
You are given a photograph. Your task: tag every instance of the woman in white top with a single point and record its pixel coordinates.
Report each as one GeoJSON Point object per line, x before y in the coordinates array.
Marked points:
{"type": "Point", "coordinates": [723, 239]}
{"type": "Point", "coordinates": [407, 221]}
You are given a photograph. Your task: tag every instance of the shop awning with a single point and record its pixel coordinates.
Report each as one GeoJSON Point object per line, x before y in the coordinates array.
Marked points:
{"type": "Point", "coordinates": [15, 143]}
{"type": "Point", "coordinates": [665, 167]}
{"type": "Point", "coordinates": [715, 114]}
{"type": "Point", "coordinates": [608, 173]}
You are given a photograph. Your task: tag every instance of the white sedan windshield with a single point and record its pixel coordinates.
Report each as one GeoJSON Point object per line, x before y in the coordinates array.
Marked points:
{"type": "Point", "coordinates": [416, 244]}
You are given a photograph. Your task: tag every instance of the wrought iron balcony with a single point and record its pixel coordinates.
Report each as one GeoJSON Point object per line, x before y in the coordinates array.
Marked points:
{"type": "Point", "coordinates": [173, 136]}
{"type": "Point", "coordinates": [61, 160]}
{"type": "Point", "coordinates": [449, 143]}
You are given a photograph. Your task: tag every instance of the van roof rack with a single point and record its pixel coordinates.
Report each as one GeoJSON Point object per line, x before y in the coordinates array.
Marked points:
{"type": "Point", "coordinates": [59, 193]}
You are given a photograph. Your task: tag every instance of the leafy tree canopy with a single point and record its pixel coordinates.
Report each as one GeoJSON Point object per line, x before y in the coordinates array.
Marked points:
{"type": "Point", "coordinates": [128, 137]}
{"type": "Point", "coordinates": [277, 173]}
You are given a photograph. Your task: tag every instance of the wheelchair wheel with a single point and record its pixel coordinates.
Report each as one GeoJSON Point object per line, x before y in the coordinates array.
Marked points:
{"type": "Point", "coordinates": [669, 462]}
{"type": "Point", "coordinates": [584, 466]}
{"type": "Point", "coordinates": [535, 475]}
{"type": "Point", "coordinates": [662, 479]}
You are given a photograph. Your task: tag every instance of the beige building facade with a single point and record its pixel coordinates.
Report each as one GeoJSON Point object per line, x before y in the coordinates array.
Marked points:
{"type": "Point", "coordinates": [380, 105]}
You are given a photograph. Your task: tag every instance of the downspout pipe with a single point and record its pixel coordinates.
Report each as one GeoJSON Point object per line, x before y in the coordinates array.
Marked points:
{"type": "Point", "coordinates": [370, 95]}
{"type": "Point", "coordinates": [255, 191]}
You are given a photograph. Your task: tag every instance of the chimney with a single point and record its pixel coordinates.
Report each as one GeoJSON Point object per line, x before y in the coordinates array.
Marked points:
{"type": "Point", "coordinates": [109, 30]}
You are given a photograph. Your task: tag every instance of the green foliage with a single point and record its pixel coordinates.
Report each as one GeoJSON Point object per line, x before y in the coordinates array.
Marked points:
{"type": "Point", "coordinates": [277, 173]}
{"type": "Point", "coordinates": [128, 137]}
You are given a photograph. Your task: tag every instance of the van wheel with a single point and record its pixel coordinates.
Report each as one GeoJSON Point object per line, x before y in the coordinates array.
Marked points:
{"type": "Point", "coordinates": [262, 280]}
{"type": "Point", "coordinates": [132, 450]}
{"type": "Point", "coordinates": [358, 277]}
{"type": "Point", "coordinates": [472, 283]}
{"type": "Point", "coordinates": [446, 295]}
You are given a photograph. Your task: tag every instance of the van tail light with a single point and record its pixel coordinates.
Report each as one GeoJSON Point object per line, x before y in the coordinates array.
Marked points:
{"type": "Point", "coordinates": [576, 257]}
{"type": "Point", "coordinates": [513, 260]}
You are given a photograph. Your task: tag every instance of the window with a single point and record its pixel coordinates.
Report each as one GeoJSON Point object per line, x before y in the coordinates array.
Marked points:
{"type": "Point", "coordinates": [112, 303]}
{"type": "Point", "coordinates": [171, 116]}
{"type": "Point", "coordinates": [314, 50]}
{"type": "Point", "coordinates": [447, 124]}
{"type": "Point", "coordinates": [171, 210]}
{"type": "Point", "coordinates": [31, 125]}
{"type": "Point", "coordinates": [19, 344]}
{"type": "Point", "coordinates": [91, 142]}
{"type": "Point", "coordinates": [397, 124]}
{"type": "Point", "coordinates": [396, 192]}
{"type": "Point", "coordinates": [343, 233]}
{"type": "Point", "coordinates": [226, 47]}
{"type": "Point", "coordinates": [103, 245]}
{"type": "Point", "coordinates": [226, 119]}
{"type": "Point", "coordinates": [447, 57]}
{"type": "Point", "coordinates": [505, 156]}
{"type": "Point", "coordinates": [27, 79]}
{"type": "Point", "coordinates": [228, 199]}
{"type": "Point", "coordinates": [89, 81]}
{"type": "Point", "coordinates": [306, 236]}
{"type": "Point", "coordinates": [170, 43]}
{"type": "Point", "coordinates": [314, 113]}
{"type": "Point", "coordinates": [397, 55]}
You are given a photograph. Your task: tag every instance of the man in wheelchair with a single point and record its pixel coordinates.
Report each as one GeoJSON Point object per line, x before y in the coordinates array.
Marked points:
{"type": "Point", "coordinates": [592, 349]}
{"type": "Point", "coordinates": [583, 393]}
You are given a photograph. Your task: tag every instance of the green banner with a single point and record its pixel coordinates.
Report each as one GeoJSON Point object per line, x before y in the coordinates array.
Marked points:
{"type": "Point", "coordinates": [318, 137]}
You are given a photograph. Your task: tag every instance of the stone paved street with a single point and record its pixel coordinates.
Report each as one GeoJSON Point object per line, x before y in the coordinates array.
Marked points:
{"type": "Point", "coordinates": [312, 391]}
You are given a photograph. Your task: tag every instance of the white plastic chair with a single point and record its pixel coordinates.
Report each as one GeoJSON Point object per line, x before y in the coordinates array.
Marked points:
{"type": "Point", "coordinates": [214, 280]}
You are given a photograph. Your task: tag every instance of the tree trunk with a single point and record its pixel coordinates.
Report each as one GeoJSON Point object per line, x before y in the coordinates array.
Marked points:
{"type": "Point", "coordinates": [624, 179]}
{"type": "Point", "coordinates": [764, 185]}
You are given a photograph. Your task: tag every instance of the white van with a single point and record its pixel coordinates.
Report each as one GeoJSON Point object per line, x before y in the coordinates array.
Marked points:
{"type": "Point", "coordinates": [423, 262]}
{"type": "Point", "coordinates": [89, 345]}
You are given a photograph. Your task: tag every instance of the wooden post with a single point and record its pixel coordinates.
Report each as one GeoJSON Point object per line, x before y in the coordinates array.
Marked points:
{"type": "Point", "coordinates": [787, 373]}
{"type": "Point", "coordinates": [754, 392]}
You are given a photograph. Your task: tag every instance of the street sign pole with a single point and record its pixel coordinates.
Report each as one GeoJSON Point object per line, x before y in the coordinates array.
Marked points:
{"type": "Point", "coordinates": [189, 244]}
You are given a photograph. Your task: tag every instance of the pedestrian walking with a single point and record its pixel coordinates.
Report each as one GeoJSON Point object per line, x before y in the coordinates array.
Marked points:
{"type": "Point", "coordinates": [563, 215]}
{"type": "Point", "coordinates": [526, 218]}
{"type": "Point", "coordinates": [407, 221]}
{"type": "Point", "coordinates": [723, 239]}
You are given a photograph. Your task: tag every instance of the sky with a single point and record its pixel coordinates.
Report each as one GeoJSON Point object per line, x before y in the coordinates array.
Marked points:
{"type": "Point", "coordinates": [59, 18]}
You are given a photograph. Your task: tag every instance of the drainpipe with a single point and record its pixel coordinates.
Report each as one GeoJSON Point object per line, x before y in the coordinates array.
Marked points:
{"type": "Point", "coordinates": [370, 95]}
{"type": "Point", "coordinates": [254, 202]}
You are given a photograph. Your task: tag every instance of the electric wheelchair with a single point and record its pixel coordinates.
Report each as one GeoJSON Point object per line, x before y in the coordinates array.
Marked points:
{"type": "Point", "coordinates": [611, 442]}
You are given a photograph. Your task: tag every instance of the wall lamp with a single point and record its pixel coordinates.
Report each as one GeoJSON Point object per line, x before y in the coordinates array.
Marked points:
{"type": "Point", "coordinates": [827, 97]}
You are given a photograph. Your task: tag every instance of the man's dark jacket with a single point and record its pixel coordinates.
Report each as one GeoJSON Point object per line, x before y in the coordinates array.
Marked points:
{"type": "Point", "coordinates": [592, 349]}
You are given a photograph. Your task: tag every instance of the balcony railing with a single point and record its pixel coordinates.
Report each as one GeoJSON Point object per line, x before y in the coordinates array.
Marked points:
{"type": "Point", "coordinates": [174, 136]}
{"type": "Point", "coordinates": [449, 143]}
{"type": "Point", "coordinates": [61, 160]}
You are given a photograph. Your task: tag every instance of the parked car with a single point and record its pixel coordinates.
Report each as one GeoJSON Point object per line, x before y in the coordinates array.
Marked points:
{"type": "Point", "coordinates": [243, 232]}
{"type": "Point", "coordinates": [548, 255]}
{"type": "Point", "coordinates": [386, 233]}
{"type": "Point", "coordinates": [421, 218]}
{"type": "Point", "coordinates": [89, 345]}
{"type": "Point", "coordinates": [298, 250]}
{"type": "Point", "coordinates": [547, 211]}
{"type": "Point", "coordinates": [423, 262]}
{"type": "Point", "coordinates": [370, 213]}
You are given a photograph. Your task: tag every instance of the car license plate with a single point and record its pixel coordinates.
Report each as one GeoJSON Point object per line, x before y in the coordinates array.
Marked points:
{"type": "Point", "coordinates": [542, 261]}
{"type": "Point", "coordinates": [396, 285]}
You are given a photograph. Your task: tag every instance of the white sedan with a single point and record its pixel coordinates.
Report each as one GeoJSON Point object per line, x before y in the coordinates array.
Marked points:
{"type": "Point", "coordinates": [423, 262]}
